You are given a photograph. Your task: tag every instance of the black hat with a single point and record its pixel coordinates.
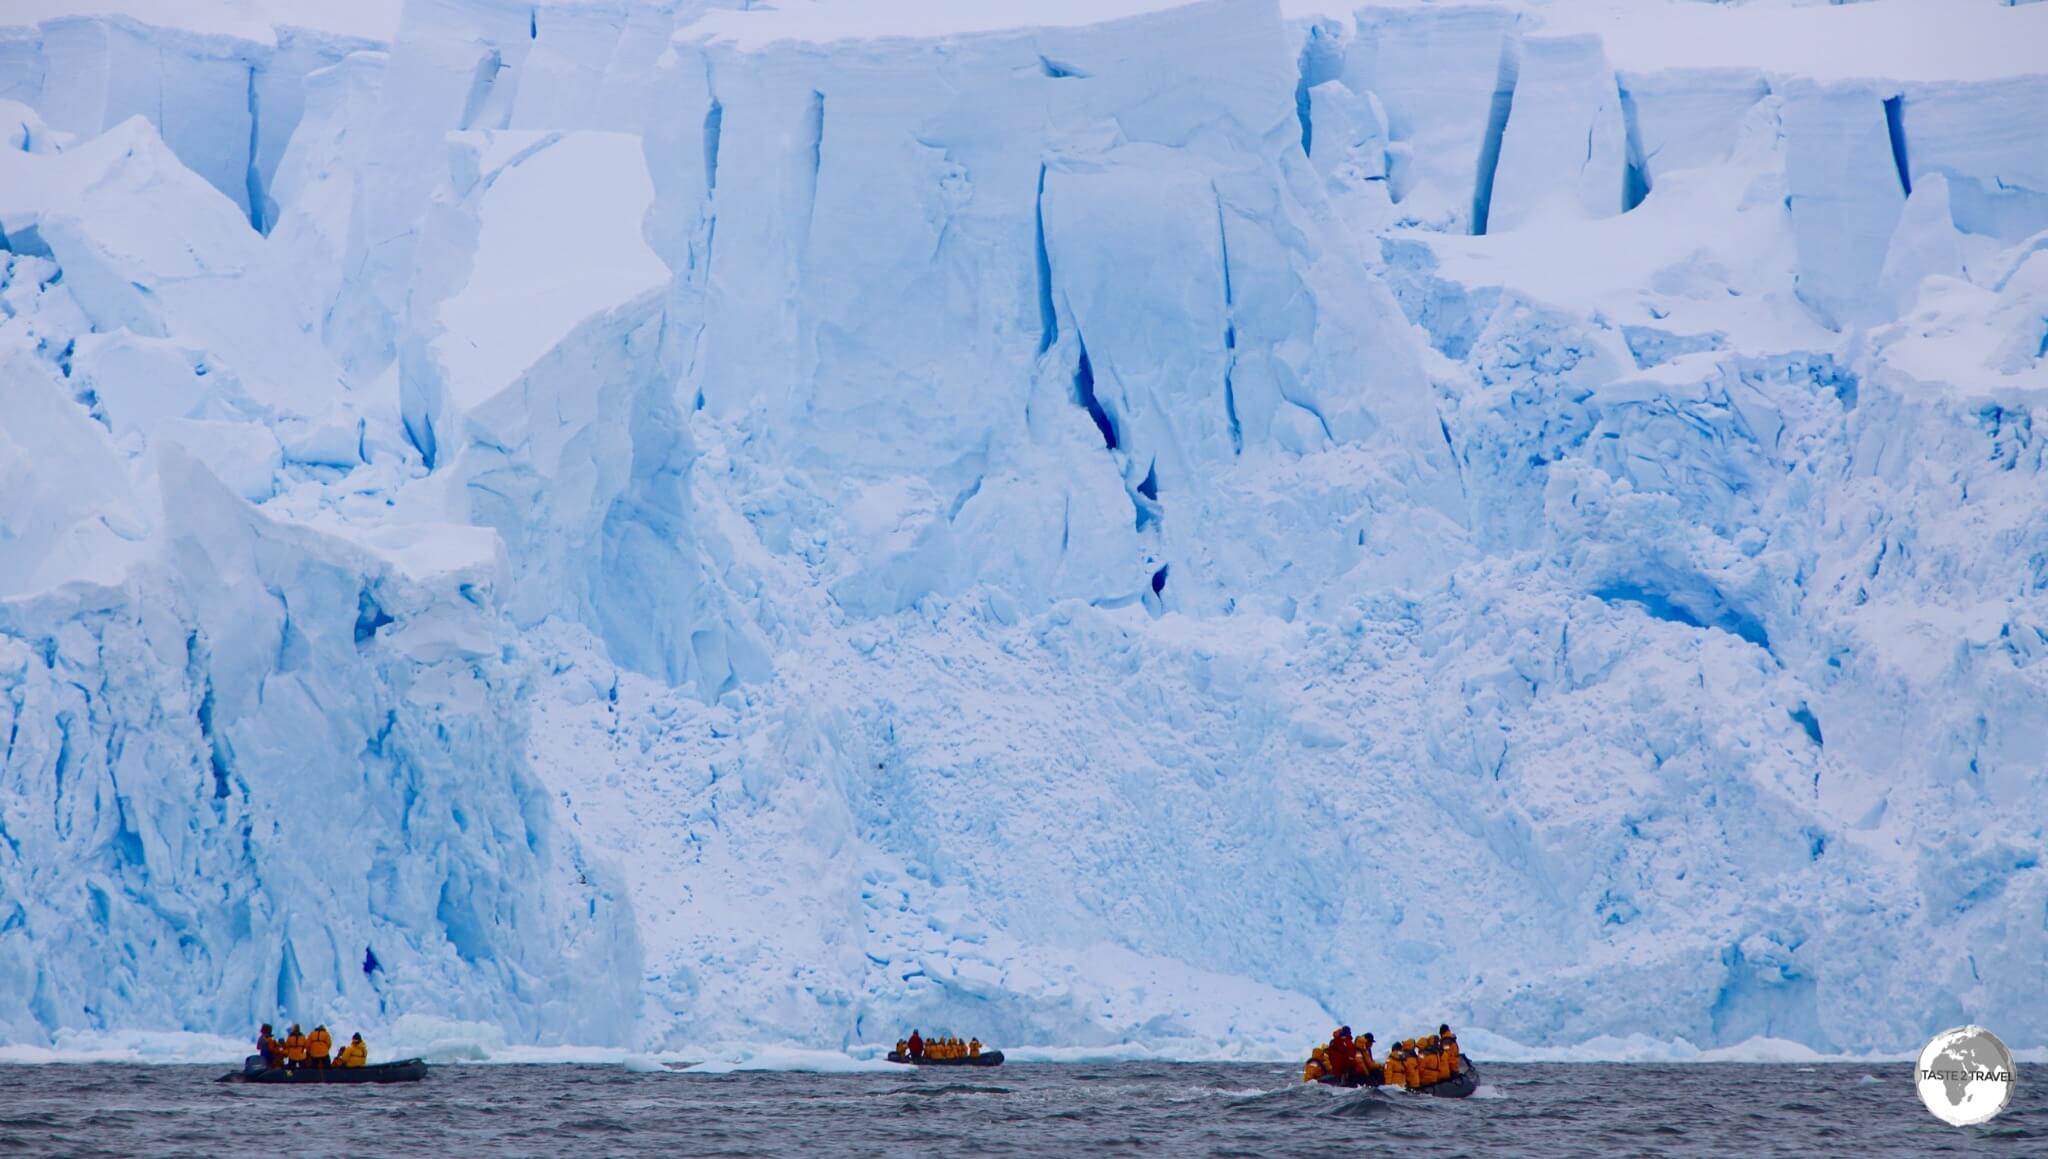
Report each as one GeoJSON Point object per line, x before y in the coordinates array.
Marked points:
{"type": "Point", "coordinates": [1444, 1029]}
{"type": "Point", "coordinates": [266, 1028]}
{"type": "Point", "coordinates": [1368, 1036]}
{"type": "Point", "coordinates": [1344, 1030]}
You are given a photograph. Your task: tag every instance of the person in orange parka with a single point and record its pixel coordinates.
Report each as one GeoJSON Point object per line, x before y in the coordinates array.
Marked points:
{"type": "Point", "coordinates": [1401, 1064]}
{"type": "Point", "coordinates": [1317, 1066]}
{"type": "Point", "coordinates": [319, 1046]}
{"type": "Point", "coordinates": [1438, 1071]}
{"type": "Point", "coordinates": [268, 1046]}
{"type": "Point", "coordinates": [1368, 1068]}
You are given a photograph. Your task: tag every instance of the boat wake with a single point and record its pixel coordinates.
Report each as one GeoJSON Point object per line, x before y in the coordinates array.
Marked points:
{"type": "Point", "coordinates": [1362, 1105]}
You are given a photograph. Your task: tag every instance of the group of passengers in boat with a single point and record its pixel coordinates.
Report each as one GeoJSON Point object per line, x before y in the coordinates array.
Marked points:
{"type": "Point", "coordinates": [1412, 1063]}
{"type": "Point", "coordinates": [918, 1046]}
{"type": "Point", "coordinates": [301, 1051]}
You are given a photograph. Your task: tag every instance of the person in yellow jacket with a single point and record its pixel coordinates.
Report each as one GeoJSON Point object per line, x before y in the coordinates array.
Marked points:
{"type": "Point", "coordinates": [1450, 1042]}
{"type": "Point", "coordinates": [319, 1046]}
{"type": "Point", "coordinates": [974, 1048]}
{"type": "Point", "coordinates": [355, 1053]}
{"type": "Point", "coordinates": [295, 1047]}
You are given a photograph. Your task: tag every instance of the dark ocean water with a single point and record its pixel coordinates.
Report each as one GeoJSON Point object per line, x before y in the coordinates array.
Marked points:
{"type": "Point", "coordinates": [1113, 1109]}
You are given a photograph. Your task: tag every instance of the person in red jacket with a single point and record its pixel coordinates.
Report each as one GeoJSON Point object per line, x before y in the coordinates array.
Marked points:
{"type": "Point", "coordinates": [1344, 1054]}
{"type": "Point", "coordinates": [916, 1045]}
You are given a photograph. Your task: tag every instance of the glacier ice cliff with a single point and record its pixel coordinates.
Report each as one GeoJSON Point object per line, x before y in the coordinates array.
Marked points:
{"type": "Point", "coordinates": [664, 523]}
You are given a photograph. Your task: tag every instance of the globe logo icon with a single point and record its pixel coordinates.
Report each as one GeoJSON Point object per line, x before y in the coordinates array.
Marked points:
{"type": "Point", "coordinates": [1965, 1076]}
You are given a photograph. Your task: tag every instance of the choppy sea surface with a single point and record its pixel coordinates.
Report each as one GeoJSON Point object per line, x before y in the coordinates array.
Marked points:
{"type": "Point", "coordinates": [1576, 1109]}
